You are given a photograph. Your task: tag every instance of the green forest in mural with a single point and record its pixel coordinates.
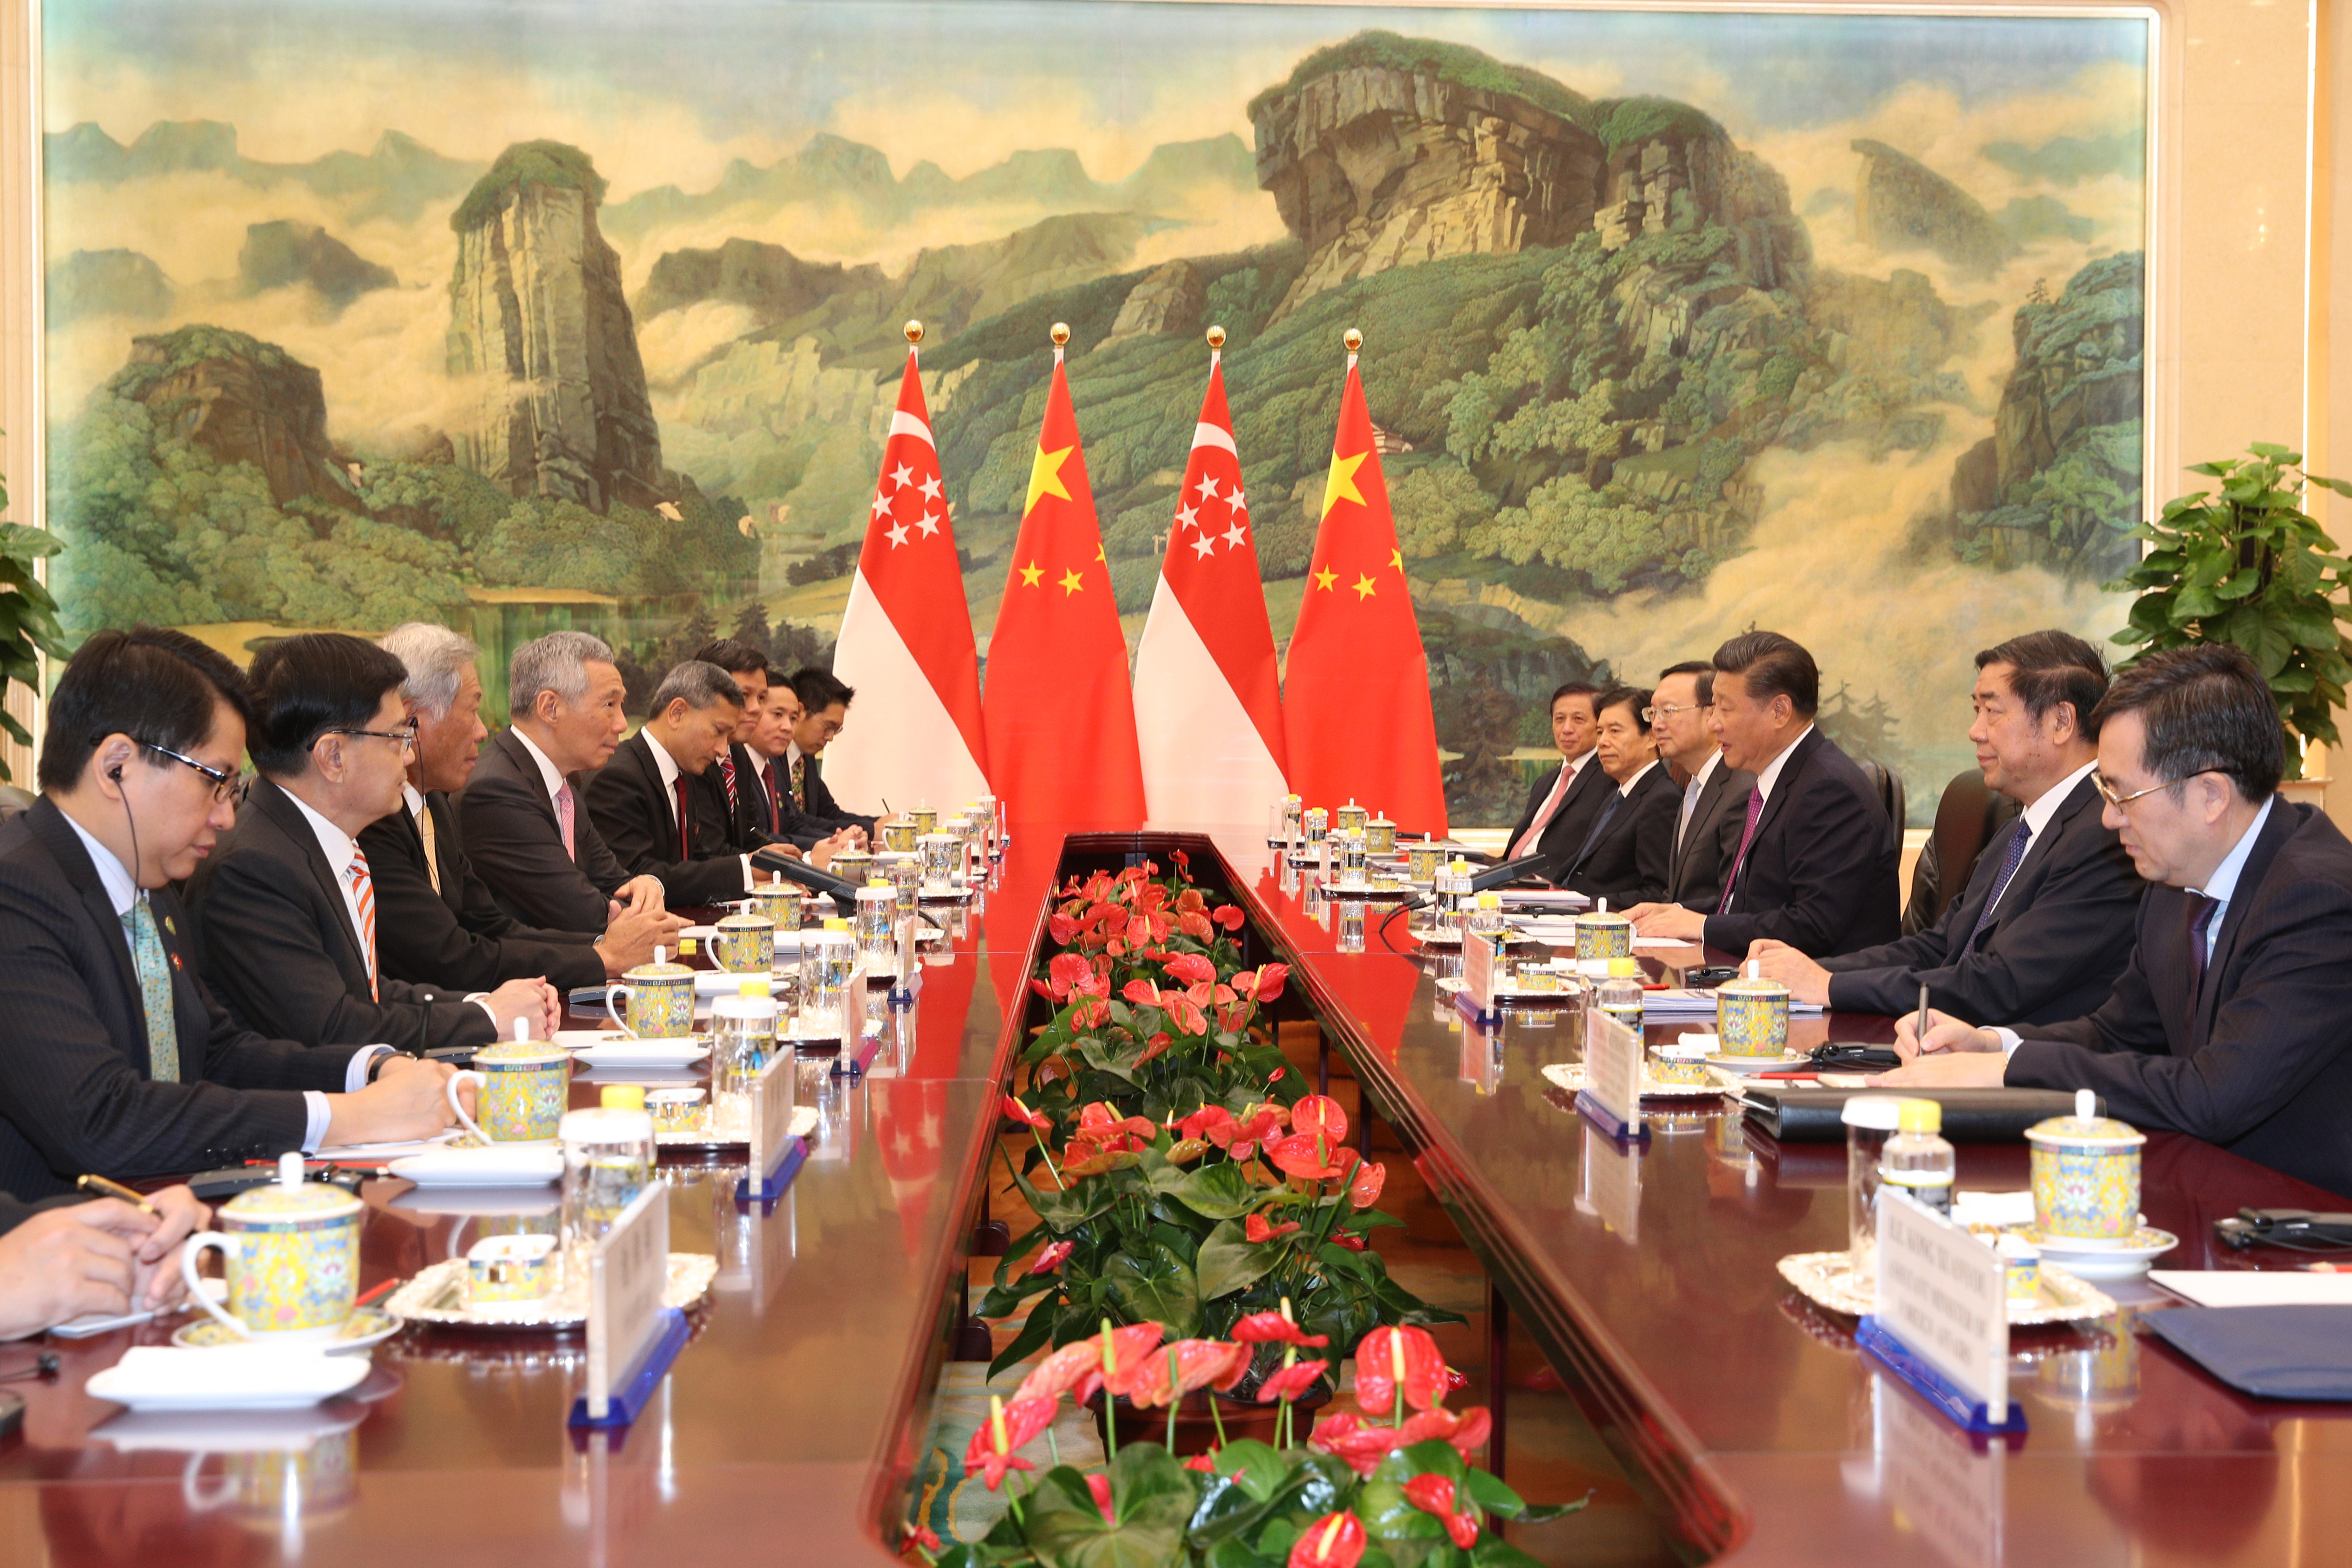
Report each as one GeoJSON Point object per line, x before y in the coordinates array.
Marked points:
{"type": "Point", "coordinates": [1648, 369]}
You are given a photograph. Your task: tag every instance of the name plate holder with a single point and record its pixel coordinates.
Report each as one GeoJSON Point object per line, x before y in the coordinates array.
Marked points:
{"type": "Point", "coordinates": [633, 1338]}
{"type": "Point", "coordinates": [776, 1156]}
{"type": "Point", "coordinates": [1476, 997]}
{"type": "Point", "coordinates": [1942, 1323]}
{"type": "Point", "coordinates": [906, 980]}
{"type": "Point", "coordinates": [858, 1052]}
{"type": "Point", "coordinates": [1611, 1096]}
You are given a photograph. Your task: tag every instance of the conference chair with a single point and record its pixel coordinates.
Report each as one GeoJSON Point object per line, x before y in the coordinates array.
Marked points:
{"type": "Point", "coordinates": [1968, 816]}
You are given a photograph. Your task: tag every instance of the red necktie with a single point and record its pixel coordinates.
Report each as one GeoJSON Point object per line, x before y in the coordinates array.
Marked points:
{"type": "Point", "coordinates": [775, 826]}
{"type": "Point", "coordinates": [1739, 861]}
{"type": "Point", "coordinates": [684, 816]}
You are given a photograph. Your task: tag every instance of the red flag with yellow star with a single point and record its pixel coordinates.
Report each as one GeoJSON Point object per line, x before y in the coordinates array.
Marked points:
{"type": "Point", "coordinates": [1355, 695]}
{"type": "Point", "coordinates": [1060, 721]}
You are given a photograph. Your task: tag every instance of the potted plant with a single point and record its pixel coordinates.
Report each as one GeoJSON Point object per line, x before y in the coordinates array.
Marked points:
{"type": "Point", "coordinates": [28, 618]}
{"type": "Point", "coordinates": [2245, 565]}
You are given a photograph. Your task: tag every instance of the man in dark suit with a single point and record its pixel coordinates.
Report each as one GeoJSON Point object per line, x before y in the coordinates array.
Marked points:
{"type": "Point", "coordinates": [1713, 795]}
{"type": "Point", "coordinates": [2045, 923]}
{"type": "Point", "coordinates": [118, 1060]}
{"type": "Point", "coordinates": [1563, 802]}
{"type": "Point", "coordinates": [524, 811]}
{"type": "Point", "coordinates": [726, 789]}
{"type": "Point", "coordinates": [1815, 866]}
{"type": "Point", "coordinates": [644, 799]}
{"type": "Point", "coordinates": [776, 816]}
{"type": "Point", "coordinates": [2227, 1023]}
{"type": "Point", "coordinates": [825, 708]}
{"type": "Point", "coordinates": [437, 921]}
{"type": "Point", "coordinates": [285, 911]}
{"type": "Point", "coordinates": [1624, 855]}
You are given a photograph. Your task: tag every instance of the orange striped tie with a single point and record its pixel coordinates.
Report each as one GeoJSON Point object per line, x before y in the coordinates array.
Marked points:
{"type": "Point", "coordinates": [364, 900]}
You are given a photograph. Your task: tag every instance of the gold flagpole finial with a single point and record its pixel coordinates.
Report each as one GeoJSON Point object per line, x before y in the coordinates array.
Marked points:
{"type": "Point", "coordinates": [1216, 337]}
{"type": "Point", "coordinates": [1353, 338]}
{"type": "Point", "coordinates": [914, 330]}
{"type": "Point", "coordinates": [1060, 334]}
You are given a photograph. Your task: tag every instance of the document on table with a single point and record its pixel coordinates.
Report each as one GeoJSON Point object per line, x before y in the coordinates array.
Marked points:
{"type": "Point", "coordinates": [1680, 1001]}
{"type": "Point", "coordinates": [337, 1153]}
{"type": "Point", "coordinates": [2256, 1287]}
{"type": "Point", "coordinates": [1538, 898]}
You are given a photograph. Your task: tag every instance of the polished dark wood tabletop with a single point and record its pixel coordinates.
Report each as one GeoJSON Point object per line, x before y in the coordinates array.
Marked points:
{"type": "Point", "coordinates": [789, 1425]}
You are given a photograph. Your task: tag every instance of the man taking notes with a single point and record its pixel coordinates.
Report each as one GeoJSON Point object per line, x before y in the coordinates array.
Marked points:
{"type": "Point", "coordinates": [1816, 862]}
{"type": "Point", "coordinates": [1714, 801]}
{"type": "Point", "coordinates": [2045, 923]}
{"type": "Point", "coordinates": [2228, 1023]}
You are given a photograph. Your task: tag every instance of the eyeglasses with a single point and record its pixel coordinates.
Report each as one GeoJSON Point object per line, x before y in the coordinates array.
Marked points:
{"type": "Point", "coordinates": [2108, 791]}
{"type": "Point", "coordinates": [227, 786]}
{"type": "Point", "coordinates": [1653, 713]}
{"type": "Point", "coordinates": [405, 737]}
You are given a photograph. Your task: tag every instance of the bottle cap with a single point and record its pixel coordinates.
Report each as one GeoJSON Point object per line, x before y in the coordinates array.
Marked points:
{"type": "Point", "coordinates": [1490, 900]}
{"type": "Point", "coordinates": [622, 1097]}
{"type": "Point", "coordinates": [685, 946]}
{"type": "Point", "coordinates": [1920, 1116]}
{"type": "Point", "coordinates": [835, 923]}
{"type": "Point", "coordinates": [752, 988]}
{"type": "Point", "coordinates": [1618, 967]}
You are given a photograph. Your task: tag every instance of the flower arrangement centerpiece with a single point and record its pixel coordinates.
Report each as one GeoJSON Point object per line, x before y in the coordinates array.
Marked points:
{"type": "Point", "coordinates": [1389, 1484]}
{"type": "Point", "coordinates": [1179, 1176]}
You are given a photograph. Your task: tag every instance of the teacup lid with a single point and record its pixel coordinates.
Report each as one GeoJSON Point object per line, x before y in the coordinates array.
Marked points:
{"type": "Point", "coordinates": [2085, 1127]}
{"type": "Point", "coordinates": [522, 1047]}
{"type": "Point", "coordinates": [291, 1197]}
{"type": "Point", "coordinates": [1753, 984]}
{"type": "Point", "coordinates": [659, 970]}
{"type": "Point", "coordinates": [748, 920]}
{"type": "Point", "coordinates": [877, 893]}
{"type": "Point", "coordinates": [1872, 1112]}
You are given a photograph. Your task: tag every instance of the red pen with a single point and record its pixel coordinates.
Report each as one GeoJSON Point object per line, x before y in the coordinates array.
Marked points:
{"type": "Point", "coordinates": [381, 1287]}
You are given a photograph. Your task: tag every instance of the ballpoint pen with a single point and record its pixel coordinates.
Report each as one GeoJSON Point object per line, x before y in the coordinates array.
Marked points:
{"type": "Point", "coordinates": [100, 1183]}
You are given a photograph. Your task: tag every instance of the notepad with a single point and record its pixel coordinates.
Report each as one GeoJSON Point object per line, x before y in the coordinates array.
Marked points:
{"type": "Point", "coordinates": [2256, 1287]}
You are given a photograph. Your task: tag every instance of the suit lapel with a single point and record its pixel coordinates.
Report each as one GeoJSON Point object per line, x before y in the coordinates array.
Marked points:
{"type": "Point", "coordinates": [1702, 817]}
{"type": "Point", "coordinates": [277, 810]}
{"type": "Point", "coordinates": [2284, 820]}
{"type": "Point", "coordinates": [2037, 858]}
{"type": "Point", "coordinates": [526, 767]}
{"type": "Point", "coordinates": [445, 851]}
{"type": "Point", "coordinates": [65, 846]}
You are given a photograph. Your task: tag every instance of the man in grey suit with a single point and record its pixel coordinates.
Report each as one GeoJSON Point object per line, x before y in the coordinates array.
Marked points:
{"type": "Point", "coordinates": [524, 813]}
{"type": "Point", "coordinates": [2045, 923]}
{"type": "Point", "coordinates": [1714, 793]}
{"type": "Point", "coordinates": [286, 912]}
{"type": "Point", "coordinates": [118, 1060]}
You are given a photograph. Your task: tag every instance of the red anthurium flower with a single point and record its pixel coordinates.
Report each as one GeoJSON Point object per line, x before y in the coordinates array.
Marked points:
{"type": "Point", "coordinates": [1191, 899]}
{"type": "Point", "coordinates": [1061, 928]}
{"type": "Point", "coordinates": [1272, 1328]}
{"type": "Point", "coordinates": [1304, 1155]}
{"type": "Point", "coordinates": [1051, 1258]}
{"type": "Point", "coordinates": [1092, 1013]}
{"type": "Point", "coordinates": [1078, 1364]}
{"type": "Point", "coordinates": [1007, 1428]}
{"type": "Point", "coordinates": [1291, 1381]}
{"type": "Point", "coordinates": [1066, 971]}
{"type": "Point", "coordinates": [1348, 1238]}
{"type": "Point", "coordinates": [1364, 1187]}
{"type": "Point", "coordinates": [1241, 1139]}
{"type": "Point", "coordinates": [1346, 1439]}
{"type": "Point", "coordinates": [1346, 1158]}
{"type": "Point", "coordinates": [1198, 1364]}
{"type": "Point", "coordinates": [1455, 1382]}
{"type": "Point", "coordinates": [1256, 1229]}
{"type": "Point", "coordinates": [1334, 1540]}
{"type": "Point", "coordinates": [1185, 1011]}
{"type": "Point", "coordinates": [1392, 1359]}
{"type": "Point", "coordinates": [1228, 915]}
{"type": "Point", "coordinates": [925, 1538]}
{"type": "Point", "coordinates": [1276, 1076]}
{"type": "Point", "coordinates": [1319, 1114]}
{"type": "Point", "coordinates": [1205, 1121]}
{"type": "Point", "coordinates": [1025, 1117]}
{"type": "Point", "coordinates": [1197, 993]}
{"type": "Point", "coordinates": [1156, 1046]}
{"type": "Point", "coordinates": [1195, 925]}
{"type": "Point", "coordinates": [1099, 1486]}
{"type": "Point", "coordinates": [1203, 1463]}
{"type": "Point", "coordinates": [1192, 969]}
{"type": "Point", "coordinates": [1265, 983]}
{"type": "Point", "coordinates": [1182, 859]}
{"type": "Point", "coordinates": [1142, 993]}
{"type": "Point", "coordinates": [1467, 1432]}
{"type": "Point", "coordinates": [1434, 1494]}
{"type": "Point", "coordinates": [1098, 1121]}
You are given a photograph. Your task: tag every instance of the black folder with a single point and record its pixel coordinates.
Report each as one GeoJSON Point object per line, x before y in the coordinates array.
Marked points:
{"type": "Point", "coordinates": [1803, 1113]}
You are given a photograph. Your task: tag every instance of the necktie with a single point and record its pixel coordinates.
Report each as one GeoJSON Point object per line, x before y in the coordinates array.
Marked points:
{"type": "Point", "coordinates": [800, 783]}
{"type": "Point", "coordinates": [1600, 825]}
{"type": "Point", "coordinates": [1528, 841]}
{"type": "Point", "coordinates": [564, 818]}
{"type": "Point", "coordinates": [1746, 837]}
{"type": "Point", "coordinates": [2200, 915]}
{"type": "Point", "coordinates": [154, 968]}
{"type": "Point", "coordinates": [1681, 818]}
{"type": "Point", "coordinates": [685, 815]}
{"type": "Point", "coordinates": [775, 824]}
{"type": "Point", "coordinates": [727, 774]}
{"type": "Point", "coordinates": [432, 854]}
{"type": "Point", "coordinates": [364, 900]}
{"type": "Point", "coordinates": [2018, 836]}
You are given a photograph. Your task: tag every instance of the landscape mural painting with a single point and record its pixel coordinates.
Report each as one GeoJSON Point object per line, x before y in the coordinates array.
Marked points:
{"type": "Point", "coordinates": [578, 312]}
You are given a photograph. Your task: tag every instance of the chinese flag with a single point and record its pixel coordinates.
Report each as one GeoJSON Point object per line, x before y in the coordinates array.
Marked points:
{"type": "Point", "coordinates": [906, 638]}
{"type": "Point", "coordinates": [1354, 698]}
{"type": "Point", "coordinates": [1061, 724]}
{"type": "Point", "coordinates": [1207, 692]}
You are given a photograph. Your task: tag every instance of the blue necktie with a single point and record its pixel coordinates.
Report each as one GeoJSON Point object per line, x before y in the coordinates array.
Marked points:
{"type": "Point", "coordinates": [2019, 834]}
{"type": "Point", "coordinates": [1592, 837]}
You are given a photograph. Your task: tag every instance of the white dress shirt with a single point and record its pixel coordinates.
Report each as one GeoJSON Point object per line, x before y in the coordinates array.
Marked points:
{"type": "Point", "coordinates": [1568, 772]}
{"type": "Point", "coordinates": [1771, 774]}
{"type": "Point", "coordinates": [549, 773]}
{"type": "Point", "coordinates": [122, 892]}
{"type": "Point", "coordinates": [1625, 790]}
{"type": "Point", "coordinates": [2037, 817]}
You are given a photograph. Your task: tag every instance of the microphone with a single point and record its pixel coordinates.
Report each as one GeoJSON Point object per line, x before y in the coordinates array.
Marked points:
{"type": "Point", "coordinates": [841, 890]}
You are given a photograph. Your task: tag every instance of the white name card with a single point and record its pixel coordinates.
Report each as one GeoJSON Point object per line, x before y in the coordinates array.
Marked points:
{"type": "Point", "coordinates": [1945, 1295]}
{"type": "Point", "coordinates": [773, 1090]}
{"type": "Point", "coordinates": [627, 1272]}
{"type": "Point", "coordinates": [1609, 1185]}
{"type": "Point", "coordinates": [1613, 1069]}
{"type": "Point", "coordinates": [1478, 970]}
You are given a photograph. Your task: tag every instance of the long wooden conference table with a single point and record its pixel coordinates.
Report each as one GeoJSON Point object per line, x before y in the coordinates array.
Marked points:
{"type": "Point", "coordinates": [788, 1429]}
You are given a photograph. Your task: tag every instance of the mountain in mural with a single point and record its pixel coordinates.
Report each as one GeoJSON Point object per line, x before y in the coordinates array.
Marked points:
{"type": "Point", "coordinates": [115, 282]}
{"type": "Point", "coordinates": [398, 178]}
{"type": "Point", "coordinates": [283, 254]}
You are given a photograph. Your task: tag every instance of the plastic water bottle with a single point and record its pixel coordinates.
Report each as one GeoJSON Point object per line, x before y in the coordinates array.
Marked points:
{"type": "Point", "coordinates": [1620, 995]}
{"type": "Point", "coordinates": [1916, 1160]}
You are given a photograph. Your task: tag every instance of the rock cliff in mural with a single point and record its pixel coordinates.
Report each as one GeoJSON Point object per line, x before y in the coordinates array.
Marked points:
{"type": "Point", "coordinates": [541, 337]}
{"type": "Point", "coordinates": [243, 402]}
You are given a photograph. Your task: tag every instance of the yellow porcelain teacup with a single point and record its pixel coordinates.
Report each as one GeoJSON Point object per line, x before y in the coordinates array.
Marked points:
{"type": "Point", "coordinates": [660, 996]}
{"type": "Point", "coordinates": [291, 1253]}
{"type": "Point", "coordinates": [1751, 1014]}
{"type": "Point", "coordinates": [519, 1089]}
{"type": "Point", "coordinates": [746, 945]}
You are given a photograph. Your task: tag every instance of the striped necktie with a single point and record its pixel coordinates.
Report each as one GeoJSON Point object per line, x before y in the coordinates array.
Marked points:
{"type": "Point", "coordinates": [147, 955]}
{"type": "Point", "coordinates": [727, 773]}
{"type": "Point", "coordinates": [364, 900]}
{"type": "Point", "coordinates": [432, 851]}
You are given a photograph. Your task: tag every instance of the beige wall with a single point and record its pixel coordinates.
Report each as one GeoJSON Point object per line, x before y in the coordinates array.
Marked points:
{"type": "Point", "coordinates": [2252, 266]}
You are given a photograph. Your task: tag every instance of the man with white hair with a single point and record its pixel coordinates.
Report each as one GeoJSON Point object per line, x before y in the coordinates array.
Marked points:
{"type": "Point", "coordinates": [437, 920]}
{"type": "Point", "coordinates": [524, 813]}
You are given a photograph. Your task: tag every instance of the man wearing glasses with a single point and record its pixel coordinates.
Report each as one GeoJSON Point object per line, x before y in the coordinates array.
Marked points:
{"type": "Point", "coordinates": [119, 1061]}
{"type": "Point", "coordinates": [1714, 793]}
{"type": "Point", "coordinates": [285, 911]}
{"type": "Point", "coordinates": [2227, 1023]}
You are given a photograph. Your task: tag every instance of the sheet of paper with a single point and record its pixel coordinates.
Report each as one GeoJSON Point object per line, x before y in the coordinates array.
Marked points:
{"type": "Point", "coordinates": [1662, 941]}
{"type": "Point", "coordinates": [2002, 1209]}
{"type": "Point", "coordinates": [2256, 1287]}
{"type": "Point", "coordinates": [386, 1151]}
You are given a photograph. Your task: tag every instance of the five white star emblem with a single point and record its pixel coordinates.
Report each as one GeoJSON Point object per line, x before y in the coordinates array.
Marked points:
{"type": "Point", "coordinates": [880, 505]}
{"type": "Point", "coordinates": [1187, 517]}
{"type": "Point", "coordinates": [1236, 534]}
